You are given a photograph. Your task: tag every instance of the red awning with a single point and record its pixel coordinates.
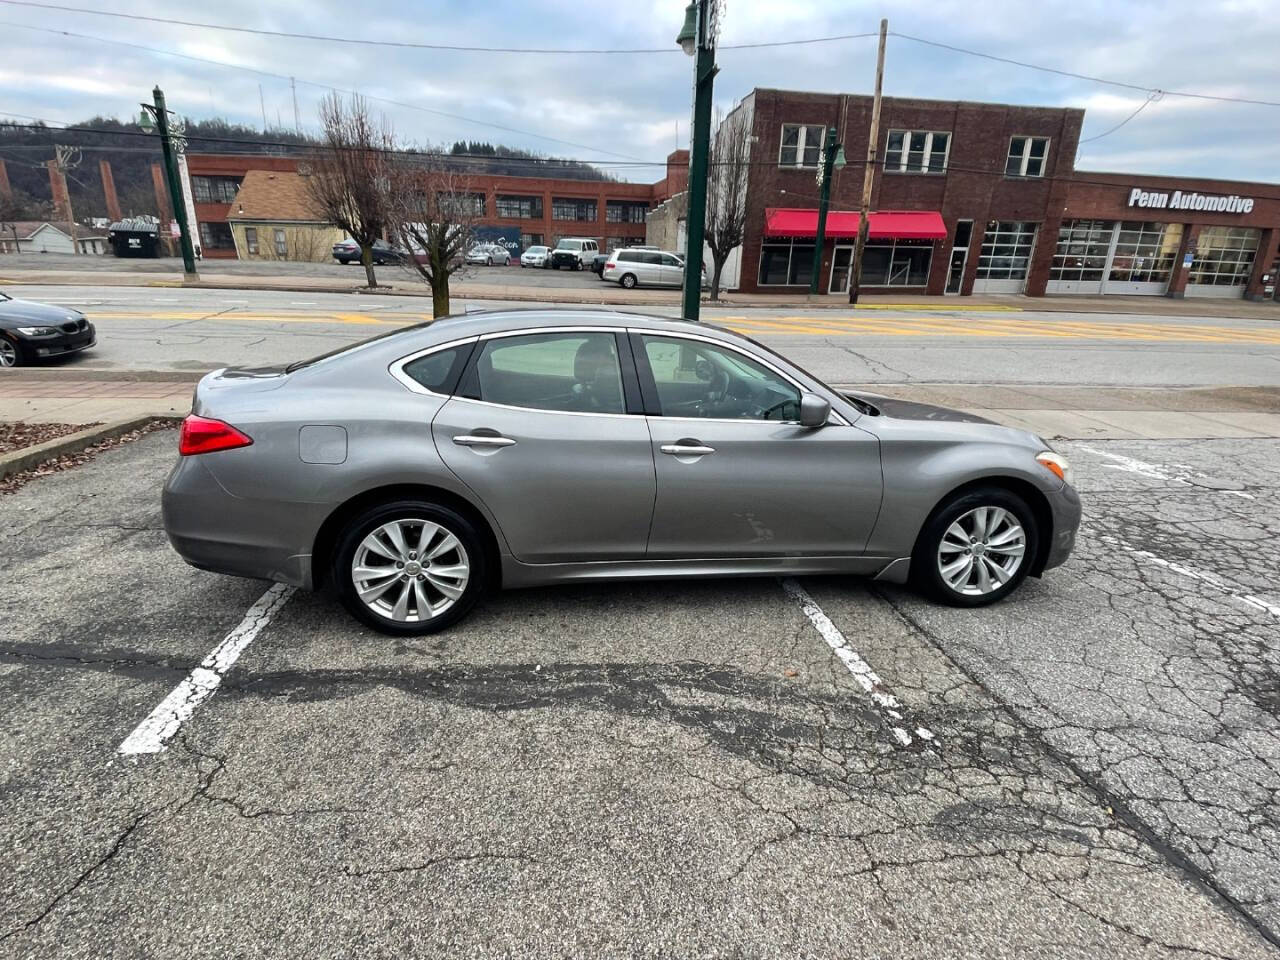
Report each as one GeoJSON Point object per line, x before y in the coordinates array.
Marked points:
{"type": "Point", "coordinates": [843, 224]}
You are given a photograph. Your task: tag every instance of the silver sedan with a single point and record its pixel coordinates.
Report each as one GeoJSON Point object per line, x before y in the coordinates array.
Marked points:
{"type": "Point", "coordinates": [411, 472]}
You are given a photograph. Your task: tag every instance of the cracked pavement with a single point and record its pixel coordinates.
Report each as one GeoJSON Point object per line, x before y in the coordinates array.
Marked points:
{"type": "Point", "coordinates": [654, 769]}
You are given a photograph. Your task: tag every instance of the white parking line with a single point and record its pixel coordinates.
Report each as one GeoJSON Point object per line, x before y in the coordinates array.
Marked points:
{"type": "Point", "coordinates": [889, 705]}
{"type": "Point", "coordinates": [1155, 472]}
{"type": "Point", "coordinates": [150, 735]}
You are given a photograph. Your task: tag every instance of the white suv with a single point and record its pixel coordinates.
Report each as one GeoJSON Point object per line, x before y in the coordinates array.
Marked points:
{"type": "Point", "coordinates": [575, 252]}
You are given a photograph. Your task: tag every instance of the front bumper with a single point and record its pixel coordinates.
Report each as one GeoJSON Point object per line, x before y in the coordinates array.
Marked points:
{"type": "Point", "coordinates": [61, 343]}
{"type": "Point", "coordinates": [1065, 504]}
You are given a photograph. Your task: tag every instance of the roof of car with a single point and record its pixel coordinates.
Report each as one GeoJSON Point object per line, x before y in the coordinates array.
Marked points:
{"type": "Point", "coordinates": [481, 322]}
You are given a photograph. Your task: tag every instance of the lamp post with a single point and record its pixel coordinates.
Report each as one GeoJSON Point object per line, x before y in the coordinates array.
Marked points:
{"type": "Point", "coordinates": [697, 38]}
{"type": "Point", "coordinates": [833, 157]}
{"type": "Point", "coordinates": [155, 118]}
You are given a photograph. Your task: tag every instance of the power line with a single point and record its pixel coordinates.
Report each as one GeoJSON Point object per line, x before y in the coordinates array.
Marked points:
{"type": "Point", "coordinates": [1151, 98]}
{"type": "Point", "coordinates": [1076, 76]}
{"type": "Point", "coordinates": [411, 45]}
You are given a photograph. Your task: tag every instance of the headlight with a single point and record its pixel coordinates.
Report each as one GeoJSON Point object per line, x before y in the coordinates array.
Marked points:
{"type": "Point", "coordinates": [1056, 464]}
{"type": "Point", "coordinates": [37, 331]}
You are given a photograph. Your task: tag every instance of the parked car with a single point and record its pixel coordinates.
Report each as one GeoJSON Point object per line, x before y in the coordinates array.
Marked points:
{"type": "Point", "coordinates": [489, 254]}
{"type": "Point", "coordinates": [536, 256]}
{"type": "Point", "coordinates": [348, 251]}
{"type": "Point", "coordinates": [597, 264]}
{"type": "Point", "coordinates": [31, 331]}
{"type": "Point", "coordinates": [400, 472]}
{"type": "Point", "coordinates": [633, 267]}
{"type": "Point", "coordinates": [573, 252]}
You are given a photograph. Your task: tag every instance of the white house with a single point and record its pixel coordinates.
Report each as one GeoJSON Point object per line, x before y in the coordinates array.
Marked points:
{"type": "Point", "coordinates": [40, 236]}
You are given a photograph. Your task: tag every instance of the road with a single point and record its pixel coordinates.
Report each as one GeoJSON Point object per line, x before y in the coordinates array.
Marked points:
{"type": "Point", "coordinates": [194, 330]}
{"type": "Point", "coordinates": [664, 769]}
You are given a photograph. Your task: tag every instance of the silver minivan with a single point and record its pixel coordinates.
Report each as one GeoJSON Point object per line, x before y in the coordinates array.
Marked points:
{"type": "Point", "coordinates": [651, 268]}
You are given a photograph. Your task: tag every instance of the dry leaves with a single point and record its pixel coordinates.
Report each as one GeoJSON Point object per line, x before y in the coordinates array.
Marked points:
{"type": "Point", "coordinates": [67, 461]}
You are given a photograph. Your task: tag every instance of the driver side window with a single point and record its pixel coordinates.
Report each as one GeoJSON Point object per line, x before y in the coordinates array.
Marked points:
{"type": "Point", "coordinates": [696, 379]}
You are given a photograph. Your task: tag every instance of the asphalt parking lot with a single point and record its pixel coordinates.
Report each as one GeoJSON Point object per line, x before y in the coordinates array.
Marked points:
{"type": "Point", "coordinates": [727, 768]}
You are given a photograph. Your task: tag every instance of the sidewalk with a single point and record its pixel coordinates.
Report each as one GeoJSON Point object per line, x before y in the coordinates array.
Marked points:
{"type": "Point", "coordinates": [610, 294]}
{"type": "Point", "coordinates": [1072, 412]}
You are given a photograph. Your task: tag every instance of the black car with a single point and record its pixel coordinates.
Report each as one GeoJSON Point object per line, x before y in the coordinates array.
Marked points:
{"type": "Point", "coordinates": [348, 251]}
{"type": "Point", "coordinates": [31, 331]}
{"type": "Point", "coordinates": [597, 264]}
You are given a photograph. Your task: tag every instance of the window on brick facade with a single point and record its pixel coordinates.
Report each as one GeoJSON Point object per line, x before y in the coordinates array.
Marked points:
{"type": "Point", "coordinates": [566, 208]}
{"type": "Point", "coordinates": [214, 189]}
{"type": "Point", "coordinates": [216, 236]}
{"type": "Point", "coordinates": [519, 208]}
{"type": "Point", "coordinates": [785, 262]}
{"type": "Point", "coordinates": [1028, 157]}
{"type": "Point", "coordinates": [626, 211]}
{"type": "Point", "coordinates": [801, 144]}
{"type": "Point", "coordinates": [528, 240]}
{"type": "Point", "coordinates": [916, 151]}
{"type": "Point", "coordinates": [462, 205]}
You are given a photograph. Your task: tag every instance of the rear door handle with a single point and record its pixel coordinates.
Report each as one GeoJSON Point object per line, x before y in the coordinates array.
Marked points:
{"type": "Point", "coordinates": [686, 449]}
{"type": "Point", "coordinates": [472, 440]}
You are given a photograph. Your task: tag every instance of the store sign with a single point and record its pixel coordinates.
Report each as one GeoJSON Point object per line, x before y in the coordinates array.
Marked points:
{"type": "Point", "coordinates": [1180, 200]}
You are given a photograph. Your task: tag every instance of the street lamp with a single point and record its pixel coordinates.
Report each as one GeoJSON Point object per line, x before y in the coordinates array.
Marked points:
{"type": "Point", "coordinates": [697, 38]}
{"type": "Point", "coordinates": [154, 118]}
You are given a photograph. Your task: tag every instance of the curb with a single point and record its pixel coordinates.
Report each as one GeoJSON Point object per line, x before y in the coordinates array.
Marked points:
{"type": "Point", "coordinates": [18, 460]}
{"type": "Point", "coordinates": [55, 374]}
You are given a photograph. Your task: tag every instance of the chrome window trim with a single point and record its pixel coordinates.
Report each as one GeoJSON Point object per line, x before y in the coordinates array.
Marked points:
{"type": "Point", "coordinates": [396, 367]}
{"type": "Point", "coordinates": [840, 420]}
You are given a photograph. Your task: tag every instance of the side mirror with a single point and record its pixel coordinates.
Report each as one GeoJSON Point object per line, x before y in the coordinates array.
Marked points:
{"type": "Point", "coordinates": [814, 410]}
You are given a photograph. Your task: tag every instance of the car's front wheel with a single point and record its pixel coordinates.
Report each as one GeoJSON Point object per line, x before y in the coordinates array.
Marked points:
{"type": "Point", "coordinates": [11, 354]}
{"type": "Point", "coordinates": [409, 567]}
{"type": "Point", "coordinates": [976, 548]}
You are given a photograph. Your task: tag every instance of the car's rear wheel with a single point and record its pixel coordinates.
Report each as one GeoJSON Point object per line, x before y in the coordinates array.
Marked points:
{"type": "Point", "coordinates": [409, 567]}
{"type": "Point", "coordinates": [976, 548]}
{"type": "Point", "coordinates": [628, 280]}
{"type": "Point", "coordinates": [11, 353]}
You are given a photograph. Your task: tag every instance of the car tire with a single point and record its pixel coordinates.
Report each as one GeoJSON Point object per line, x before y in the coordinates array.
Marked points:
{"type": "Point", "coordinates": [577, 265]}
{"type": "Point", "coordinates": [12, 353]}
{"type": "Point", "coordinates": [344, 261]}
{"type": "Point", "coordinates": [628, 280]}
{"type": "Point", "coordinates": [968, 544]}
{"type": "Point", "coordinates": [408, 516]}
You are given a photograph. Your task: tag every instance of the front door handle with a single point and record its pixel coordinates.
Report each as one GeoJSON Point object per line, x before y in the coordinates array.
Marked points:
{"type": "Point", "coordinates": [473, 440]}
{"type": "Point", "coordinates": [687, 448]}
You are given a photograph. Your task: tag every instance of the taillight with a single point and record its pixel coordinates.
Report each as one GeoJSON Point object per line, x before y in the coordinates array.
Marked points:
{"type": "Point", "coordinates": [204, 435]}
{"type": "Point", "coordinates": [610, 265]}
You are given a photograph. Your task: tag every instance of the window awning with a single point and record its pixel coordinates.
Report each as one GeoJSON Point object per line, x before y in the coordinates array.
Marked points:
{"type": "Point", "coordinates": [843, 224]}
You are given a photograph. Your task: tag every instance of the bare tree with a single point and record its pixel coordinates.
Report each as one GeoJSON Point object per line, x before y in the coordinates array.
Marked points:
{"type": "Point", "coordinates": [727, 172]}
{"type": "Point", "coordinates": [348, 185]}
{"type": "Point", "coordinates": [433, 215]}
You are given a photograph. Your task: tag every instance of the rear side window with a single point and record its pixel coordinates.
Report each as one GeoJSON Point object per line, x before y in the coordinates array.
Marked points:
{"type": "Point", "coordinates": [567, 372]}
{"type": "Point", "coordinates": [439, 371]}
{"type": "Point", "coordinates": [625, 257]}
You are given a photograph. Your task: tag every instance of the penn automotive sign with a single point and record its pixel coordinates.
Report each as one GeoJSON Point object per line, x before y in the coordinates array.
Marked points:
{"type": "Point", "coordinates": [1189, 200]}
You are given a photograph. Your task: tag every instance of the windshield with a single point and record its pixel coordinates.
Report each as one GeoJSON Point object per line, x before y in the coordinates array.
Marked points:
{"type": "Point", "coordinates": [358, 345]}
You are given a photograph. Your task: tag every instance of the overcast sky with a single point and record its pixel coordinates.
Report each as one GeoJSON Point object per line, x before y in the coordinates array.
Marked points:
{"type": "Point", "coordinates": [630, 106]}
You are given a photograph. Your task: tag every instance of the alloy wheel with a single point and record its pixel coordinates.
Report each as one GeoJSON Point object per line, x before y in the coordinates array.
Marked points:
{"type": "Point", "coordinates": [981, 551]}
{"type": "Point", "coordinates": [8, 353]}
{"type": "Point", "coordinates": [410, 570]}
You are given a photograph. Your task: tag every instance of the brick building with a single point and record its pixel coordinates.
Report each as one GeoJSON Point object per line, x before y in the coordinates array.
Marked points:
{"type": "Point", "coordinates": [985, 198]}
{"type": "Point", "coordinates": [540, 210]}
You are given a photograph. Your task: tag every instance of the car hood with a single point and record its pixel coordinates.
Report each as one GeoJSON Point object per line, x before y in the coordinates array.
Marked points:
{"type": "Point", "coordinates": [910, 410]}
{"type": "Point", "coordinates": [15, 312]}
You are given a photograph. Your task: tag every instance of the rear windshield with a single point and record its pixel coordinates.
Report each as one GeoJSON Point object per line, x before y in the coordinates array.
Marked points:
{"type": "Point", "coordinates": [358, 345]}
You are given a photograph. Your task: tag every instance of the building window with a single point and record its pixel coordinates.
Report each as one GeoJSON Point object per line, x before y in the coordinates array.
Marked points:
{"type": "Point", "coordinates": [1145, 252]}
{"type": "Point", "coordinates": [519, 208]}
{"type": "Point", "coordinates": [801, 144]}
{"type": "Point", "coordinates": [1082, 250]}
{"type": "Point", "coordinates": [528, 240]}
{"type": "Point", "coordinates": [1006, 250]}
{"type": "Point", "coordinates": [625, 211]}
{"type": "Point", "coordinates": [785, 262]}
{"type": "Point", "coordinates": [897, 263]}
{"type": "Point", "coordinates": [1224, 256]}
{"type": "Point", "coordinates": [1027, 156]}
{"type": "Point", "coordinates": [251, 240]}
{"type": "Point", "coordinates": [214, 189]}
{"type": "Point", "coordinates": [461, 204]}
{"type": "Point", "coordinates": [282, 248]}
{"type": "Point", "coordinates": [216, 236]}
{"type": "Point", "coordinates": [566, 208]}
{"type": "Point", "coordinates": [618, 243]}
{"type": "Point", "coordinates": [915, 151]}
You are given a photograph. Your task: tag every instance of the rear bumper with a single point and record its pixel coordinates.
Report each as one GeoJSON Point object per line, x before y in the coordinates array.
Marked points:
{"type": "Point", "coordinates": [1065, 504]}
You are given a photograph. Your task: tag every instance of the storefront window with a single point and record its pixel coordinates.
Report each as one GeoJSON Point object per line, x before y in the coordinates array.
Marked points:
{"type": "Point", "coordinates": [785, 262]}
{"type": "Point", "coordinates": [1224, 256]}
{"type": "Point", "coordinates": [897, 263]}
{"type": "Point", "coordinates": [1006, 249]}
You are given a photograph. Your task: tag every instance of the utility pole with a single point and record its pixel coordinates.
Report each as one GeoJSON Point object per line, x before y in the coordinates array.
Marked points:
{"type": "Point", "coordinates": [65, 158]}
{"type": "Point", "coordinates": [868, 176]}
{"type": "Point", "coordinates": [297, 124]}
{"type": "Point", "coordinates": [698, 39]}
{"type": "Point", "coordinates": [156, 117]}
{"type": "Point", "coordinates": [262, 104]}
{"type": "Point", "coordinates": [833, 156]}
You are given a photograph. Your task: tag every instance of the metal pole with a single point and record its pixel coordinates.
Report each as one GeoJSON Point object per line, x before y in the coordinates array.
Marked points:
{"type": "Point", "coordinates": [704, 73]}
{"type": "Point", "coordinates": [824, 201]}
{"type": "Point", "coordinates": [868, 176]}
{"type": "Point", "coordinates": [175, 190]}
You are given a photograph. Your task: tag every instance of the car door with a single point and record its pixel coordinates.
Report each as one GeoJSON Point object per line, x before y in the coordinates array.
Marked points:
{"type": "Point", "coordinates": [649, 269]}
{"type": "Point", "coordinates": [539, 429]}
{"type": "Point", "coordinates": [737, 476]}
{"type": "Point", "coordinates": [672, 270]}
